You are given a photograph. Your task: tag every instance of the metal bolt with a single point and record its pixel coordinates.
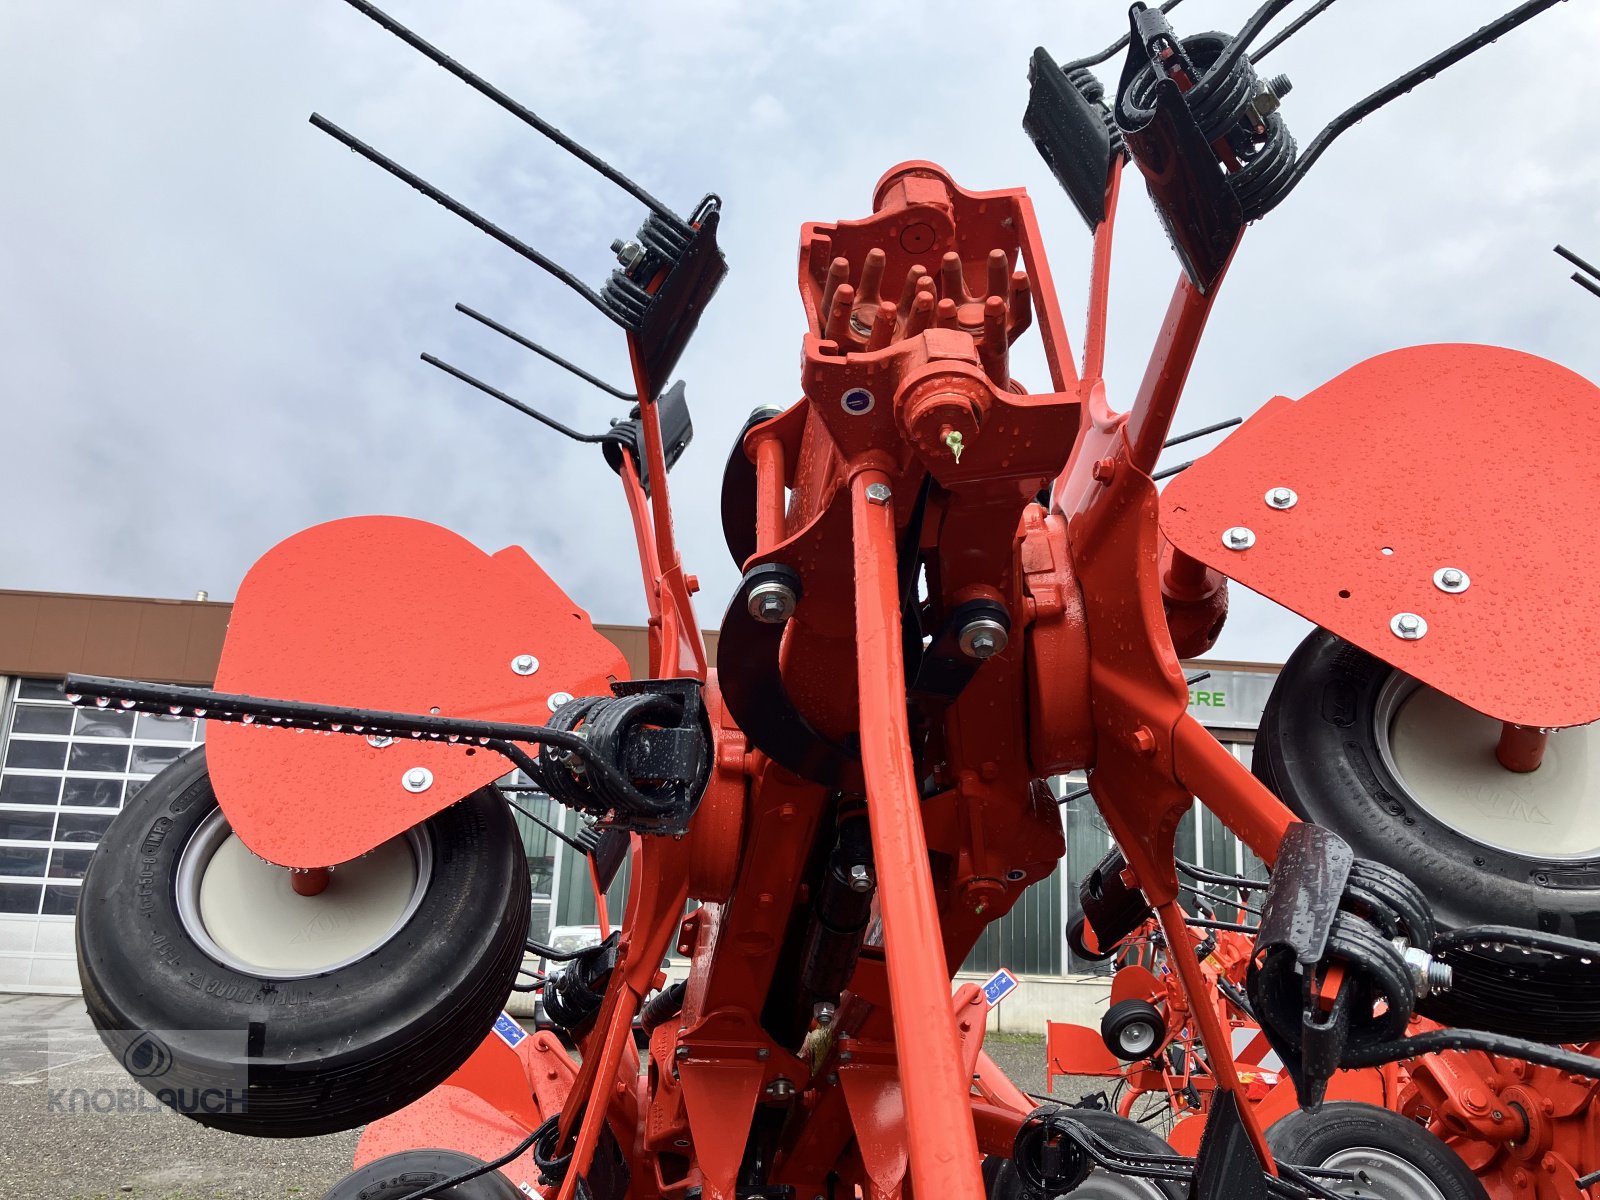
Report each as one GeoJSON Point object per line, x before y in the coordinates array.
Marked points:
{"type": "Point", "coordinates": [1428, 974]}
{"type": "Point", "coordinates": [1237, 537]}
{"type": "Point", "coordinates": [822, 1013]}
{"type": "Point", "coordinates": [380, 742]}
{"type": "Point", "coordinates": [780, 1088]}
{"type": "Point", "coordinates": [879, 493]}
{"type": "Point", "coordinates": [982, 637]}
{"type": "Point", "coordinates": [845, 1056]}
{"type": "Point", "coordinates": [1451, 579]}
{"type": "Point", "coordinates": [524, 664]}
{"type": "Point", "coordinates": [628, 253]}
{"type": "Point", "coordinates": [1282, 497]}
{"type": "Point", "coordinates": [860, 878]}
{"type": "Point", "coordinates": [772, 602]}
{"type": "Point", "coordinates": [763, 1053]}
{"type": "Point", "coordinates": [417, 779]}
{"type": "Point", "coordinates": [556, 699]}
{"type": "Point", "coordinates": [1408, 625]}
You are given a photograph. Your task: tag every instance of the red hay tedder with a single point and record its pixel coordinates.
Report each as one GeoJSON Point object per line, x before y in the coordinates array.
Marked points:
{"type": "Point", "coordinates": [954, 588]}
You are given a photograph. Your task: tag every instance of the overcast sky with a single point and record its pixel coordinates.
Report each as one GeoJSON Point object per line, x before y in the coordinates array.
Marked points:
{"type": "Point", "coordinates": [210, 313]}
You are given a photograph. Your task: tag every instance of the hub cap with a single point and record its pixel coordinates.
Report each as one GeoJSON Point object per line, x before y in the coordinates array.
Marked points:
{"type": "Point", "coordinates": [1443, 752]}
{"type": "Point", "coordinates": [1137, 1039]}
{"type": "Point", "coordinates": [244, 912]}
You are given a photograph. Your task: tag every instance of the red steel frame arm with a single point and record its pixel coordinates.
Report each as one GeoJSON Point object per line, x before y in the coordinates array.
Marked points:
{"type": "Point", "coordinates": [1094, 334]}
{"type": "Point", "coordinates": [1168, 369]}
{"type": "Point", "coordinates": [682, 649]}
{"type": "Point", "coordinates": [1243, 803]}
{"type": "Point", "coordinates": [943, 1149]}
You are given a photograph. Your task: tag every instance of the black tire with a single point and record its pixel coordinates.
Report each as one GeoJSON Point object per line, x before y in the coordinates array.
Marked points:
{"type": "Point", "coordinates": [1076, 943]}
{"type": "Point", "coordinates": [313, 1053]}
{"type": "Point", "coordinates": [1319, 750]}
{"type": "Point", "coordinates": [398, 1175]}
{"type": "Point", "coordinates": [1133, 1030]}
{"type": "Point", "coordinates": [1005, 1184]}
{"type": "Point", "coordinates": [1397, 1150]}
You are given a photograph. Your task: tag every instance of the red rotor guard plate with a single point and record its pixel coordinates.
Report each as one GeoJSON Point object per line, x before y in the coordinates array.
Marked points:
{"type": "Point", "coordinates": [1463, 456]}
{"type": "Point", "coordinates": [396, 614]}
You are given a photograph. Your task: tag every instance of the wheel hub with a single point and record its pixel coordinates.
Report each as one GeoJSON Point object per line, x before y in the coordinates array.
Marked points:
{"type": "Point", "coordinates": [1381, 1175]}
{"type": "Point", "coordinates": [1444, 754]}
{"type": "Point", "coordinates": [245, 912]}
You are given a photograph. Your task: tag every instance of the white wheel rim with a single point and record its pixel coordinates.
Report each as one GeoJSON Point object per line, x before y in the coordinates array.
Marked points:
{"type": "Point", "coordinates": [244, 913]}
{"type": "Point", "coordinates": [1380, 1175]}
{"type": "Point", "coordinates": [1137, 1039]}
{"type": "Point", "coordinates": [1443, 753]}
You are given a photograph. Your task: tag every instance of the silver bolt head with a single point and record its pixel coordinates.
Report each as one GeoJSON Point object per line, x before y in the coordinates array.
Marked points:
{"type": "Point", "coordinates": [1282, 497]}
{"type": "Point", "coordinates": [982, 638]}
{"type": "Point", "coordinates": [524, 664]}
{"type": "Point", "coordinates": [627, 253]}
{"type": "Point", "coordinates": [823, 1012]}
{"type": "Point", "coordinates": [1451, 579]}
{"type": "Point", "coordinates": [1237, 537]}
{"type": "Point", "coordinates": [378, 743]}
{"type": "Point", "coordinates": [860, 878]}
{"type": "Point", "coordinates": [772, 602]}
{"type": "Point", "coordinates": [879, 493]}
{"type": "Point", "coordinates": [1408, 626]}
{"type": "Point", "coordinates": [417, 779]}
{"type": "Point", "coordinates": [556, 699]}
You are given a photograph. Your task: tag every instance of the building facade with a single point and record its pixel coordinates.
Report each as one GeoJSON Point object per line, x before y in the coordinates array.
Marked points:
{"type": "Point", "coordinates": [66, 771]}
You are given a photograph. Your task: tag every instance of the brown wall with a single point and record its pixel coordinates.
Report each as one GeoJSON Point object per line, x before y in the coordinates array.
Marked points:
{"type": "Point", "coordinates": [48, 634]}
{"type": "Point", "coordinates": [167, 641]}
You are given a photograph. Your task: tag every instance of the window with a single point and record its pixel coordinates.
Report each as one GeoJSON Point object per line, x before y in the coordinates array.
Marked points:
{"type": "Point", "coordinates": [64, 774]}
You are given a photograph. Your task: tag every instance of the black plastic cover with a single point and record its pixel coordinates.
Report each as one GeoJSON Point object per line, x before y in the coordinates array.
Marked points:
{"type": "Point", "coordinates": [1307, 885]}
{"type": "Point", "coordinates": [664, 322]}
{"type": "Point", "coordinates": [1113, 908]}
{"type": "Point", "coordinates": [1070, 134]}
{"type": "Point", "coordinates": [1227, 1164]}
{"type": "Point", "coordinates": [677, 431]}
{"type": "Point", "coordinates": [1203, 218]}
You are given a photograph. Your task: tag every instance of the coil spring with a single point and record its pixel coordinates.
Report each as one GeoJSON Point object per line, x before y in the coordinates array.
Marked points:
{"type": "Point", "coordinates": [1217, 101]}
{"type": "Point", "coordinates": [1088, 86]}
{"type": "Point", "coordinates": [552, 1167]}
{"type": "Point", "coordinates": [605, 722]}
{"type": "Point", "coordinates": [663, 243]}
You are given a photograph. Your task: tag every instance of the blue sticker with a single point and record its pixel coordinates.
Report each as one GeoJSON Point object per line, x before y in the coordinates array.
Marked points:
{"type": "Point", "coordinates": [1000, 985]}
{"type": "Point", "coordinates": [857, 401]}
{"type": "Point", "coordinates": [510, 1032]}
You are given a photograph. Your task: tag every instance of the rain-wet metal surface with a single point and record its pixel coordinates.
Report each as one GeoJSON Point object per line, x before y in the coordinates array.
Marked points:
{"type": "Point", "coordinates": [1468, 457]}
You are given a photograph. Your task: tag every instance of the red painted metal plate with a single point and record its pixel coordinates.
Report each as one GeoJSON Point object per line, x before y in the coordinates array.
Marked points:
{"type": "Point", "coordinates": [1468, 457]}
{"type": "Point", "coordinates": [387, 613]}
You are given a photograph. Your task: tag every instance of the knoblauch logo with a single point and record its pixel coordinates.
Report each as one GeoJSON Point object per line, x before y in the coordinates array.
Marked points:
{"type": "Point", "coordinates": [77, 1087]}
{"type": "Point", "coordinates": [147, 1057]}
